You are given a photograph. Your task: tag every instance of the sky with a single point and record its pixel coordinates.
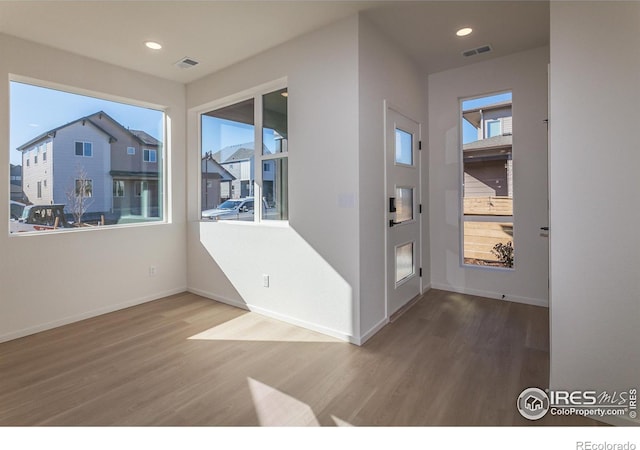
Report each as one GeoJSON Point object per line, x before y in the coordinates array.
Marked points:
{"type": "Point", "coordinates": [35, 110]}
{"type": "Point", "coordinates": [218, 134]}
{"type": "Point", "coordinates": [469, 133]}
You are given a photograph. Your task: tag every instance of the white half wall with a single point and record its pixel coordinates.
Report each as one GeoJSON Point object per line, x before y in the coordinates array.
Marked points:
{"type": "Point", "coordinates": [51, 279]}
{"type": "Point", "coordinates": [595, 192]}
{"type": "Point", "coordinates": [385, 73]}
{"type": "Point", "coordinates": [312, 263]}
{"type": "Point", "coordinates": [525, 74]}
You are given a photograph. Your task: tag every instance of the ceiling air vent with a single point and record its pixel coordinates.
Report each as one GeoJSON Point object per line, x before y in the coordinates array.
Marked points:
{"type": "Point", "coordinates": [187, 63]}
{"type": "Point", "coordinates": [477, 51]}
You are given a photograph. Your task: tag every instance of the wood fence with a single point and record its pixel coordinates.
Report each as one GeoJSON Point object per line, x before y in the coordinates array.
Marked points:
{"type": "Point", "coordinates": [488, 206]}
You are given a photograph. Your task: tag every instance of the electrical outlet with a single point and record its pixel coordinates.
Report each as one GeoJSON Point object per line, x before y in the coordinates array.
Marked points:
{"type": "Point", "coordinates": [265, 280]}
{"type": "Point", "coordinates": [152, 271]}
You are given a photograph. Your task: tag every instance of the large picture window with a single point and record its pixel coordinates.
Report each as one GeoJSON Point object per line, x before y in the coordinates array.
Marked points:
{"type": "Point", "coordinates": [487, 181]}
{"type": "Point", "coordinates": [244, 159]}
{"type": "Point", "coordinates": [88, 160]}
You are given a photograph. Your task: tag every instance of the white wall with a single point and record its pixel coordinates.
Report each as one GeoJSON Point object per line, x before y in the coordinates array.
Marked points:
{"type": "Point", "coordinates": [525, 74]}
{"type": "Point", "coordinates": [595, 187]}
{"type": "Point", "coordinates": [84, 273]}
{"type": "Point", "coordinates": [313, 263]}
{"type": "Point", "coordinates": [385, 73]}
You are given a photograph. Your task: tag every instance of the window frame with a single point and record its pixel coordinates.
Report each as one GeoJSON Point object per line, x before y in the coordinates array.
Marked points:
{"type": "Point", "coordinates": [131, 153]}
{"type": "Point", "coordinates": [462, 217]}
{"type": "Point", "coordinates": [165, 149]}
{"type": "Point", "coordinates": [256, 93]}
{"type": "Point", "coordinates": [89, 181]}
{"type": "Point", "coordinates": [84, 149]}
{"type": "Point", "coordinates": [149, 152]}
{"type": "Point", "coordinates": [116, 191]}
{"type": "Point", "coordinates": [492, 121]}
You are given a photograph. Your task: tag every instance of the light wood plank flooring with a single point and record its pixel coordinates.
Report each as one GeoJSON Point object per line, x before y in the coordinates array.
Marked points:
{"type": "Point", "coordinates": [451, 359]}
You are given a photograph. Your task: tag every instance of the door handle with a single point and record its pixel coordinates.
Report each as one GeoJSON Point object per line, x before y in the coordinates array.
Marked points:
{"type": "Point", "coordinates": [392, 210]}
{"type": "Point", "coordinates": [544, 228]}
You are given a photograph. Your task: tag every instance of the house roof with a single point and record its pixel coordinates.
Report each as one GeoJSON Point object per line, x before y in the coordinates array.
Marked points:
{"type": "Point", "coordinates": [241, 154]}
{"type": "Point", "coordinates": [207, 161]}
{"type": "Point", "coordinates": [144, 137]}
{"type": "Point", "coordinates": [490, 106]}
{"type": "Point", "coordinates": [505, 140]}
{"type": "Point", "coordinates": [473, 116]}
{"type": "Point", "coordinates": [141, 136]}
{"type": "Point", "coordinates": [51, 133]}
{"type": "Point", "coordinates": [230, 153]}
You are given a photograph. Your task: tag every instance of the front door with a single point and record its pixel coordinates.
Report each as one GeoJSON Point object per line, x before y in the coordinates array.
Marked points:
{"type": "Point", "coordinates": [403, 210]}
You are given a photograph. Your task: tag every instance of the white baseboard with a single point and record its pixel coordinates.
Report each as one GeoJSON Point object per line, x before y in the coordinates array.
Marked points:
{"type": "Point", "coordinates": [219, 298]}
{"type": "Point", "coordinates": [304, 324]}
{"type": "Point", "coordinates": [373, 330]}
{"type": "Point", "coordinates": [275, 315]}
{"type": "Point", "coordinates": [488, 294]}
{"type": "Point", "coordinates": [425, 288]}
{"type": "Point", "coordinates": [88, 314]}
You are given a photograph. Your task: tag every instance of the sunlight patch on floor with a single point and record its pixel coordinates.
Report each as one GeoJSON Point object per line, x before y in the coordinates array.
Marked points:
{"type": "Point", "coordinates": [277, 409]}
{"type": "Point", "coordinates": [339, 422]}
{"type": "Point", "coordinates": [255, 327]}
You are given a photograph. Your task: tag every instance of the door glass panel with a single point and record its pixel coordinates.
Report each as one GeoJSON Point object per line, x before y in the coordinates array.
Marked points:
{"type": "Point", "coordinates": [404, 204]}
{"type": "Point", "coordinates": [404, 261]}
{"type": "Point", "coordinates": [404, 147]}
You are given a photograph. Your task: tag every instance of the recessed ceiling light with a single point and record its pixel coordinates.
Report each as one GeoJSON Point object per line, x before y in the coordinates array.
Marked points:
{"type": "Point", "coordinates": [464, 32]}
{"type": "Point", "coordinates": [153, 45]}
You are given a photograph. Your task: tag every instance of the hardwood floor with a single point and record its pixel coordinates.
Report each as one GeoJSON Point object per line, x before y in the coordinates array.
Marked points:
{"type": "Point", "coordinates": [451, 359]}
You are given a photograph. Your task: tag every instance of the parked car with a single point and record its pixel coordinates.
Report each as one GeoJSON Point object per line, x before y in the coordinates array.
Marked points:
{"type": "Point", "coordinates": [233, 209]}
{"type": "Point", "coordinates": [16, 209]}
{"type": "Point", "coordinates": [40, 218]}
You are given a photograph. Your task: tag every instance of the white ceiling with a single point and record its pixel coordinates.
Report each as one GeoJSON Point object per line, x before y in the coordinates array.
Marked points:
{"type": "Point", "coordinates": [220, 33]}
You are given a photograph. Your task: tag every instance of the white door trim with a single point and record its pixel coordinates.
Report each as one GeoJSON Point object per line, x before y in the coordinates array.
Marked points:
{"type": "Point", "coordinates": [388, 106]}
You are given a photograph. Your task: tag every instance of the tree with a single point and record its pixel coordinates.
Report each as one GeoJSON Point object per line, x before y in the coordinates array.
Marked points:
{"type": "Point", "coordinates": [80, 195]}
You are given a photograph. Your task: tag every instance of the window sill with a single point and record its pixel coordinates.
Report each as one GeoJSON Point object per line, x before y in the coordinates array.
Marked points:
{"type": "Point", "coordinates": [246, 223]}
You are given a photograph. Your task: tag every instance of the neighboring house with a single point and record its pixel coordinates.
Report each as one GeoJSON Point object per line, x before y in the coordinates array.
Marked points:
{"type": "Point", "coordinates": [487, 161]}
{"type": "Point", "coordinates": [135, 169]}
{"type": "Point", "coordinates": [238, 160]}
{"type": "Point", "coordinates": [15, 177]}
{"type": "Point", "coordinates": [122, 166]}
{"type": "Point", "coordinates": [53, 162]}
{"type": "Point", "coordinates": [215, 179]}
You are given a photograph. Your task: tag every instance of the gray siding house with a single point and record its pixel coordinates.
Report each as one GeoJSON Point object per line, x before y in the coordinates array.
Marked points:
{"type": "Point", "coordinates": [53, 161]}
{"type": "Point", "coordinates": [123, 167]}
{"type": "Point", "coordinates": [488, 168]}
{"type": "Point", "coordinates": [215, 180]}
{"type": "Point", "coordinates": [136, 167]}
